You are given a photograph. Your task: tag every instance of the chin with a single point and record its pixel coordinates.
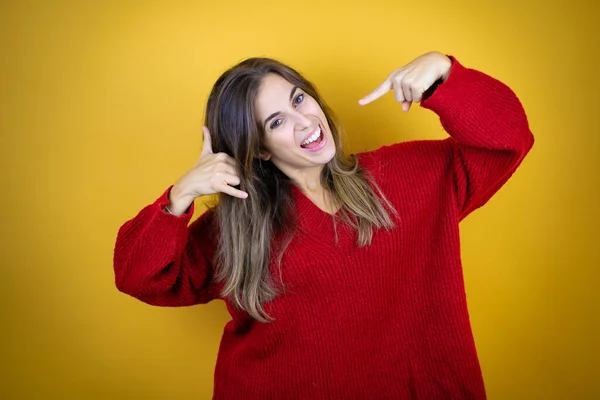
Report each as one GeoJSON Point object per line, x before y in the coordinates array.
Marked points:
{"type": "Point", "coordinates": [331, 155]}
{"type": "Point", "coordinates": [326, 157]}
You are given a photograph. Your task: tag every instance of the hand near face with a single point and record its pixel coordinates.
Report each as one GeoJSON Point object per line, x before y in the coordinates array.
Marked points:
{"type": "Point", "coordinates": [213, 173]}
{"type": "Point", "coordinates": [412, 80]}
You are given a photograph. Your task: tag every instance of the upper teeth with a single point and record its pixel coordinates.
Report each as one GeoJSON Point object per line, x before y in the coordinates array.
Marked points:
{"type": "Point", "coordinates": [313, 137]}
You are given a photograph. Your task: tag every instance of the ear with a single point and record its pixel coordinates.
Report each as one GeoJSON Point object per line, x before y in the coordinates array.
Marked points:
{"type": "Point", "coordinates": [264, 155]}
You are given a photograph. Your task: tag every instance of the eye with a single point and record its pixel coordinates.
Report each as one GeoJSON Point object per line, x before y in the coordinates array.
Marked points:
{"type": "Point", "coordinates": [276, 123]}
{"type": "Point", "coordinates": [299, 99]}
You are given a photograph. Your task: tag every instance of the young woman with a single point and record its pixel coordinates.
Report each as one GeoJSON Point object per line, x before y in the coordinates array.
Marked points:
{"type": "Point", "coordinates": [342, 274]}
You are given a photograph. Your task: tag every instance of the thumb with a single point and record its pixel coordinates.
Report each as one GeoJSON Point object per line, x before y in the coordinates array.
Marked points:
{"type": "Point", "coordinates": [207, 145]}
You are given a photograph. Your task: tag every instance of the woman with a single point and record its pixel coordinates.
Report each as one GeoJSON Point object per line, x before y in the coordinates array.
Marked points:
{"type": "Point", "coordinates": [342, 274]}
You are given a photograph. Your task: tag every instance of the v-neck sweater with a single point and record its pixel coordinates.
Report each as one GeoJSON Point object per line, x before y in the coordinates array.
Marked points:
{"type": "Point", "coordinates": [385, 321]}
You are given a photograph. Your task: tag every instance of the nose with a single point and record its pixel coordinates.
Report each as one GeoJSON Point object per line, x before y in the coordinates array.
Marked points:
{"type": "Point", "coordinates": [302, 122]}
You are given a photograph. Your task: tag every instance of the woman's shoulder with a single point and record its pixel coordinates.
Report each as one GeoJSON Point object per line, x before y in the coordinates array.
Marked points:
{"type": "Point", "coordinates": [413, 154]}
{"type": "Point", "coordinates": [408, 171]}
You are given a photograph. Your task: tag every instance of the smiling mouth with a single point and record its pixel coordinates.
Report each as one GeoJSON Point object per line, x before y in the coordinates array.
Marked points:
{"type": "Point", "coordinates": [314, 140]}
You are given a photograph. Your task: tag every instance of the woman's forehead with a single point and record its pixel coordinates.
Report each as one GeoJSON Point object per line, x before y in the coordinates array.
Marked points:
{"type": "Point", "coordinates": [273, 85]}
{"type": "Point", "coordinates": [274, 92]}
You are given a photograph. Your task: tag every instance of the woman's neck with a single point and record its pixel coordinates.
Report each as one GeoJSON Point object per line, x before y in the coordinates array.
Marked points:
{"type": "Point", "coordinates": [309, 183]}
{"type": "Point", "coordinates": [308, 180]}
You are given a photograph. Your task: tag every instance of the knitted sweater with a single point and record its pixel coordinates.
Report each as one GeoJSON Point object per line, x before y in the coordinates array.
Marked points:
{"type": "Point", "coordinates": [385, 321]}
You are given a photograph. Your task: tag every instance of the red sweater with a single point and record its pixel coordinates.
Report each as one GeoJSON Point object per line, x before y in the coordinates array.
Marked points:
{"type": "Point", "coordinates": [386, 321]}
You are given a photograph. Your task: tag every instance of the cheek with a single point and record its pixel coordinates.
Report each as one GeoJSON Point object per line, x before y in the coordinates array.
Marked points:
{"type": "Point", "coordinates": [280, 141]}
{"type": "Point", "coordinates": [314, 108]}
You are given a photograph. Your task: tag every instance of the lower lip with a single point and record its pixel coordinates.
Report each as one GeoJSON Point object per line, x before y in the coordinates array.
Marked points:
{"type": "Point", "coordinates": [321, 145]}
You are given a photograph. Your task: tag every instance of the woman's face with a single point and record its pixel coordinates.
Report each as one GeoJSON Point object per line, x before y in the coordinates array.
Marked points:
{"type": "Point", "coordinates": [297, 135]}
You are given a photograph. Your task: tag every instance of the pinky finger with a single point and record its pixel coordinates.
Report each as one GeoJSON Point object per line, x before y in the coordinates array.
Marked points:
{"type": "Point", "coordinates": [233, 192]}
{"type": "Point", "coordinates": [417, 95]}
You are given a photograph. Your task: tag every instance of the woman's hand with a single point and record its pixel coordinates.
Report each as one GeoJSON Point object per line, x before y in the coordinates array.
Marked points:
{"type": "Point", "coordinates": [212, 173]}
{"type": "Point", "coordinates": [411, 81]}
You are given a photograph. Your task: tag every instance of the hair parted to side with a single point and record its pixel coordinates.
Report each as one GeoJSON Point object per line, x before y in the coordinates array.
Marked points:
{"type": "Point", "coordinates": [247, 227]}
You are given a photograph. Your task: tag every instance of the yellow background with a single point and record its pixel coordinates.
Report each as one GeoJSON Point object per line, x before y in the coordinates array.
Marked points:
{"type": "Point", "coordinates": [101, 108]}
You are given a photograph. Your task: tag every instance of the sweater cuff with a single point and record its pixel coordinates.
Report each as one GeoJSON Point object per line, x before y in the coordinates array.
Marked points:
{"type": "Point", "coordinates": [445, 95]}
{"type": "Point", "coordinates": [163, 201]}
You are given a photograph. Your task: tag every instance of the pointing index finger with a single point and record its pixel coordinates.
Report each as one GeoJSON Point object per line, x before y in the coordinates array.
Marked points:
{"type": "Point", "coordinates": [377, 93]}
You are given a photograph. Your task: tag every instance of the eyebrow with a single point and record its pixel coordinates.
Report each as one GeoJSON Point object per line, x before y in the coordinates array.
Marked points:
{"type": "Point", "coordinates": [270, 117]}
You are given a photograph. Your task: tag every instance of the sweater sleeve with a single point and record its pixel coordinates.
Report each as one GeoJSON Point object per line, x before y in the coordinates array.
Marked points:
{"type": "Point", "coordinates": [161, 261]}
{"type": "Point", "coordinates": [489, 135]}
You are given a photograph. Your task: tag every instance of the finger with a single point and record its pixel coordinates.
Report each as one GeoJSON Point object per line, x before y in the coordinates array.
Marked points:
{"type": "Point", "coordinates": [406, 85]}
{"type": "Point", "coordinates": [207, 145]}
{"type": "Point", "coordinates": [417, 95]}
{"type": "Point", "coordinates": [227, 179]}
{"type": "Point", "coordinates": [230, 190]}
{"type": "Point", "coordinates": [226, 158]}
{"type": "Point", "coordinates": [226, 168]}
{"type": "Point", "coordinates": [418, 89]}
{"type": "Point", "coordinates": [398, 93]}
{"type": "Point", "coordinates": [377, 93]}
{"type": "Point", "coordinates": [406, 105]}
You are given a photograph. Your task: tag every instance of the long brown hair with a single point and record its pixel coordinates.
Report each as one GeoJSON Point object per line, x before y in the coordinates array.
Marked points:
{"type": "Point", "coordinates": [247, 227]}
